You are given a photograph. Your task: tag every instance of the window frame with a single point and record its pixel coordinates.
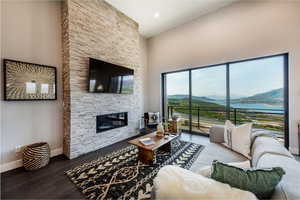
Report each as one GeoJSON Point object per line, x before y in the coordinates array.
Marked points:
{"type": "Point", "coordinates": [227, 64]}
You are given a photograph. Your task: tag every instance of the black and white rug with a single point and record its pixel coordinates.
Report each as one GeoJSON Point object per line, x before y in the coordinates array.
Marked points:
{"type": "Point", "coordinates": [120, 175]}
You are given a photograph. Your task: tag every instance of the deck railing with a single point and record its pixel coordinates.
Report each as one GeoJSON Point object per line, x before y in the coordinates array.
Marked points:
{"type": "Point", "coordinates": [270, 119]}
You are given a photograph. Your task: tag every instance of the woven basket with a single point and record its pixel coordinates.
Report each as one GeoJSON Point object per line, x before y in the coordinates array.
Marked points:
{"type": "Point", "coordinates": [36, 156]}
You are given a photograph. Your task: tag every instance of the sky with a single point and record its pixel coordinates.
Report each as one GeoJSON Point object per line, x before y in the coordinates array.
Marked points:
{"type": "Point", "coordinates": [246, 79]}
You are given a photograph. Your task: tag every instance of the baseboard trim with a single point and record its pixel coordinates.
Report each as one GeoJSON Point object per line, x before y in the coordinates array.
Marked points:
{"type": "Point", "coordinates": [19, 163]}
{"type": "Point", "coordinates": [56, 152]}
{"type": "Point", "coordinates": [11, 165]}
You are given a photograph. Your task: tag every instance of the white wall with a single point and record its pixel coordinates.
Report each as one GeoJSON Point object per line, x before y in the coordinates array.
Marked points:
{"type": "Point", "coordinates": [242, 30]}
{"type": "Point", "coordinates": [144, 63]}
{"type": "Point", "coordinates": [34, 35]}
{"type": "Point", "coordinates": [31, 32]}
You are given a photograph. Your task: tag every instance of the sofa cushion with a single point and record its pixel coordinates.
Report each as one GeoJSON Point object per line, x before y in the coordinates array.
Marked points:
{"type": "Point", "coordinates": [216, 134]}
{"type": "Point", "coordinates": [258, 133]}
{"type": "Point", "coordinates": [218, 152]}
{"type": "Point", "coordinates": [261, 182]}
{"type": "Point", "coordinates": [175, 183]}
{"type": "Point", "coordinates": [206, 171]}
{"type": "Point", "coordinates": [263, 145]}
{"type": "Point", "coordinates": [289, 186]}
{"type": "Point", "coordinates": [237, 138]}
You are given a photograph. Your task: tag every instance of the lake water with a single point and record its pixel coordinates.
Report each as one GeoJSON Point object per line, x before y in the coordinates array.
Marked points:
{"type": "Point", "coordinates": [259, 107]}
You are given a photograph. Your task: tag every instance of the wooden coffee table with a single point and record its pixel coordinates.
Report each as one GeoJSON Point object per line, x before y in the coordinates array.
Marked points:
{"type": "Point", "coordinates": [147, 152]}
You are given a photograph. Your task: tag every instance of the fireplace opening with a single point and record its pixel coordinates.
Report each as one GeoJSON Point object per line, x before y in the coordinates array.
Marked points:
{"type": "Point", "coordinates": [111, 121]}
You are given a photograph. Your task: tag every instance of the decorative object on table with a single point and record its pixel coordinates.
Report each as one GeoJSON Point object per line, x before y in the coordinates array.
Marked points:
{"type": "Point", "coordinates": [160, 132]}
{"type": "Point", "coordinates": [166, 126]}
{"type": "Point", "coordinates": [174, 125]}
{"type": "Point", "coordinates": [152, 119]}
{"type": "Point", "coordinates": [27, 81]}
{"type": "Point", "coordinates": [36, 156]}
{"type": "Point", "coordinates": [261, 182]}
{"type": "Point", "coordinates": [120, 175]}
{"type": "Point", "coordinates": [146, 141]}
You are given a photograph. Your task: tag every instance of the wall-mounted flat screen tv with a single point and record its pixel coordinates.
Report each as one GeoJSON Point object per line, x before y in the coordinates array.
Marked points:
{"type": "Point", "coordinates": [106, 77]}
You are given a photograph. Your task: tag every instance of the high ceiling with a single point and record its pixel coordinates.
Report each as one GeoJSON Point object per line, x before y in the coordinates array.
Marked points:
{"type": "Point", "coordinates": [156, 16]}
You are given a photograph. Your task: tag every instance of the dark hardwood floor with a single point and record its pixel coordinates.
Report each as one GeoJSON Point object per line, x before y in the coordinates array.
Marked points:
{"type": "Point", "coordinates": [50, 182]}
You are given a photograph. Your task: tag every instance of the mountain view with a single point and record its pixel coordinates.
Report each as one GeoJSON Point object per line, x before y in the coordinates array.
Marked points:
{"type": "Point", "coordinates": [256, 95]}
{"type": "Point", "coordinates": [265, 110]}
{"type": "Point", "coordinates": [183, 96]}
{"type": "Point", "coordinates": [270, 97]}
{"type": "Point", "coordinates": [273, 97]}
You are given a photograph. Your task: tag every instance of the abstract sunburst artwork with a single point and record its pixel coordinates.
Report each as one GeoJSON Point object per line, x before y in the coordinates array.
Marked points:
{"type": "Point", "coordinates": [28, 81]}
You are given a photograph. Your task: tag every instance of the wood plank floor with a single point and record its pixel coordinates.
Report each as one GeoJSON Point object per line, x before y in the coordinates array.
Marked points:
{"type": "Point", "coordinates": [50, 182]}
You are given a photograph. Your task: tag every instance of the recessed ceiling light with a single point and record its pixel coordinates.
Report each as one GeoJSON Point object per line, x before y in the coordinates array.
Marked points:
{"type": "Point", "coordinates": [156, 15]}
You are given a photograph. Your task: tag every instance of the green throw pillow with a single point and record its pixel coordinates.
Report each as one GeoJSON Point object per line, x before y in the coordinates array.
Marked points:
{"type": "Point", "coordinates": [261, 182]}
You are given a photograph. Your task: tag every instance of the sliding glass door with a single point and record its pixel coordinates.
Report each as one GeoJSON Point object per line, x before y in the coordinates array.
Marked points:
{"type": "Point", "coordinates": [257, 94]}
{"type": "Point", "coordinates": [254, 90]}
{"type": "Point", "coordinates": [177, 97]}
{"type": "Point", "coordinates": [208, 98]}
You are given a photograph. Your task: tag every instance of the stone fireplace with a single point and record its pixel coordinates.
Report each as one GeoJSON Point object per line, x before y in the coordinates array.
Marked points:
{"type": "Point", "coordinates": [95, 29]}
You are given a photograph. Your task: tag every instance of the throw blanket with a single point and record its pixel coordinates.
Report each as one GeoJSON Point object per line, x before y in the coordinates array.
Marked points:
{"type": "Point", "coordinates": [176, 183]}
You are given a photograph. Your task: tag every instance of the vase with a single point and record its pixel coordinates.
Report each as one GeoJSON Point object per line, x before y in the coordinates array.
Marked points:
{"type": "Point", "coordinates": [160, 130]}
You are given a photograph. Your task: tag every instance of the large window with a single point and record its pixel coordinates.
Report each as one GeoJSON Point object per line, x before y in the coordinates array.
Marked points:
{"type": "Point", "coordinates": [256, 94]}
{"type": "Point", "coordinates": [245, 91]}
{"type": "Point", "coordinates": [208, 87]}
{"type": "Point", "coordinates": [177, 90]}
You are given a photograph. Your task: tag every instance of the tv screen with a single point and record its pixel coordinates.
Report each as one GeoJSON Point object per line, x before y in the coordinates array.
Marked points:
{"type": "Point", "coordinates": [110, 78]}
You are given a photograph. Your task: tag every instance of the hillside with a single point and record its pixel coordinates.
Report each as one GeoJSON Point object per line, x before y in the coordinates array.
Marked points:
{"type": "Point", "coordinates": [185, 96]}
{"type": "Point", "coordinates": [197, 102]}
{"type": "Point", "coordinates": [270, 97]}
{"type": "Point", "coordinates": [208, 109]}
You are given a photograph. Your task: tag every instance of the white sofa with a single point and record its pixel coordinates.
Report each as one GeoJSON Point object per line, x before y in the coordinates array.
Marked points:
{"type": "Point", "coordinates": [265, 152]}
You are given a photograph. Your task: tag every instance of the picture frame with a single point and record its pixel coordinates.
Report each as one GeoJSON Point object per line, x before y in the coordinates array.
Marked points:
{"type": "Point", "coordinates": [24, 81]}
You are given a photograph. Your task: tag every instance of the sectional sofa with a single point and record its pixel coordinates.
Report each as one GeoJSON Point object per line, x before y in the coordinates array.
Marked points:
{"type": "Point", "coordinates": [266, 152]}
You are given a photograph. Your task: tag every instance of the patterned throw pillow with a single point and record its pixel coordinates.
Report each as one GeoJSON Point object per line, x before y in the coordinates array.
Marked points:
{"type": "Point", "coordinates": [238, 138]}
{"type": "Point", "coordinates": [153, 117]}
{"type": "Point", "coordinates": [261, 182]}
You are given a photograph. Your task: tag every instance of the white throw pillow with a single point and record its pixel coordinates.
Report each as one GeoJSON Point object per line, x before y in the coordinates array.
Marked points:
{"type": "Point", "coordinates": [238, 138]}
{"type": "Point", "coordinates": [153, 117]}
{"type": "Point", "coordinates": [206, 170]}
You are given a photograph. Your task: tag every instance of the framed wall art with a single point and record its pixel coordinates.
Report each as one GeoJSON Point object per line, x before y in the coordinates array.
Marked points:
{"type": "Point", "coordinates": [28, 81]}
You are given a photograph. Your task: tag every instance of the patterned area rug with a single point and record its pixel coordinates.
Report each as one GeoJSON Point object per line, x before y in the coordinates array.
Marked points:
{"type": "Point", "coordinates": [120, 175]}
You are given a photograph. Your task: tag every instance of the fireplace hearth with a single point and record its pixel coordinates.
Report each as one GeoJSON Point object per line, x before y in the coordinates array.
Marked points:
{"type": "Point", "coordinates": [111, 121]}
